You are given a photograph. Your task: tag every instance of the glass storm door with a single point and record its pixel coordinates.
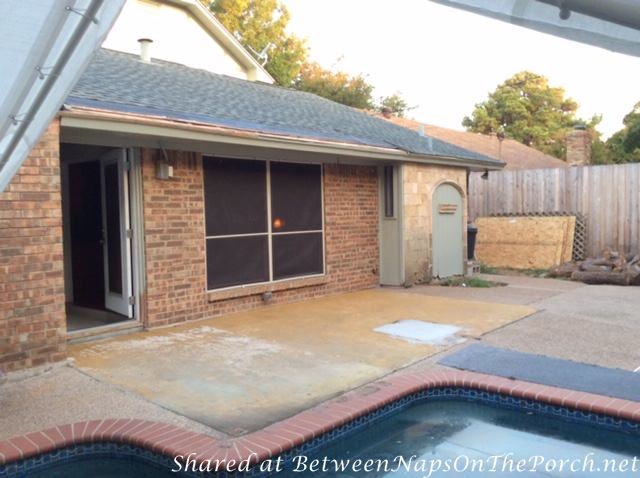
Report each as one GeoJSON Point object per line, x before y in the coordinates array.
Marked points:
{"type": "Point", "coordinates": [116, 233]}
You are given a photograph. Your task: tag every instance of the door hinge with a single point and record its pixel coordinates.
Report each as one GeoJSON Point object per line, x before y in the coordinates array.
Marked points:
{"type": "Point", "coordinates": [132, 300]}
{"type": "Point", "coordinates": [129, 233]}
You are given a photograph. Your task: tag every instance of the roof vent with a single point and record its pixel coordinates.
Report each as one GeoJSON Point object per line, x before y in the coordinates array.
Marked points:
{"type": "Point", "coordinates": [145, 49]}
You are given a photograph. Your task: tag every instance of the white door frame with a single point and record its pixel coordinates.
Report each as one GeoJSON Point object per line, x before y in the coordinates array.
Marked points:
{"type": "Point", "coordinates": [120, 302]}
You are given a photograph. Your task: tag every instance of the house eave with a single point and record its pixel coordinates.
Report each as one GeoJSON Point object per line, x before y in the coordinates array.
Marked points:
{"type": "Point", "coordinates": [140, 126]}
{"type": "Point", "coordinates": [255, 70]}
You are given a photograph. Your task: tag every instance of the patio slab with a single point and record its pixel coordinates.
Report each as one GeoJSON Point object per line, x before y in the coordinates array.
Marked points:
{"type": "Point", "coordinates": [241, 372]}
{"type": "Point", "coordinates": [519, 290]}
{"type": "Point", "coordinates": [66, 395]}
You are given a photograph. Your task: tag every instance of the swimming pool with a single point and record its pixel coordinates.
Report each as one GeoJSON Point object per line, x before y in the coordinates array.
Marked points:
{"type": "Point", "coordinates": [417, 435]}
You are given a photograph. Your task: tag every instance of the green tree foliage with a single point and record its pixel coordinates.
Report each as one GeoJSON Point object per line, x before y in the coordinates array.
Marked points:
{"type": "Point", "coordinates": [631, 123]}
{"type": "Point", "coordinates": [624, 146]}
{"type": "Point", "coordinates": [261, 24]}
{"type": "Point", "coordinates": [528, 110]}
{"type": "Point", "coordinates": [396, 104]}
{"type": "Point", "coordinates": [336, 86]}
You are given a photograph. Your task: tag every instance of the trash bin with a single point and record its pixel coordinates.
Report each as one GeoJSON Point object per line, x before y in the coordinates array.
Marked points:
{"type": "Point", "coordinates": [472, 232]}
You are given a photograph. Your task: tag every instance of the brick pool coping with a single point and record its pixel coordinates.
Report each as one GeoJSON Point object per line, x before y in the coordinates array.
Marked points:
{"type": "Point", "coordinates": [171, 440]}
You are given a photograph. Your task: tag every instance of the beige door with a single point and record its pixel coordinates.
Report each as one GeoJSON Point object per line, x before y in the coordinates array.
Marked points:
{"type": "Point", "coordinates": [448, 250]}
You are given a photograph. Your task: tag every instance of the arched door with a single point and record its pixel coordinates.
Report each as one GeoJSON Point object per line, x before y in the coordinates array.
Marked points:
{"type": "Point", "coordinates": [447, 233]}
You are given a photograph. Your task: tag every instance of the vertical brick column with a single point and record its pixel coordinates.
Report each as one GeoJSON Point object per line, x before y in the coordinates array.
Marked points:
{"type": "Point", "coordinates": [579, 147]}
{"type": "Point", "coordinates": [32, 301]}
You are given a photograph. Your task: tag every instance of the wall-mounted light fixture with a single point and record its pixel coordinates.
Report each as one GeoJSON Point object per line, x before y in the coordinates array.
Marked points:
{"type": "Point", "coordinates": [164, 170]}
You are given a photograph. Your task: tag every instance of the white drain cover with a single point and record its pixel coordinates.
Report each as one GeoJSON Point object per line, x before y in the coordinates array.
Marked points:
{"type": "Point", "coordinates": [422, 332]}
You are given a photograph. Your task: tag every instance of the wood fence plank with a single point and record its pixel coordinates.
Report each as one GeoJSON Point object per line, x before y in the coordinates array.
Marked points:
{"type": "Point", "coordinates": [609, 197]}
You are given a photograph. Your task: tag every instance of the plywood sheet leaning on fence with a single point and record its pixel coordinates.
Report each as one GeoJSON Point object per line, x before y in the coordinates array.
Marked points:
{"type": "Point", "coordinates": [525, 242]}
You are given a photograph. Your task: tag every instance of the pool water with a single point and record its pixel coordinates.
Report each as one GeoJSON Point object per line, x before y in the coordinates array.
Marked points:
{"type": "Point", "coordinates": [108, 467]}
{"type": "Point", "coordinates": [420, 440]}
{"type": "Point", "coordinates": [467, 431]}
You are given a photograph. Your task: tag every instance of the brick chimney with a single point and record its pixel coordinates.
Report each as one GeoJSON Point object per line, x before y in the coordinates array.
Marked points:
{"type": "Point", "coordinates": [579, 147]}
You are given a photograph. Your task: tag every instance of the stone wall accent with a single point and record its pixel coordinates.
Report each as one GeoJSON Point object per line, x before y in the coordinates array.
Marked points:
{"type": "Point", "coordinates": [420, 182]}
{"type": "Point", "coordinates": [32, 301]}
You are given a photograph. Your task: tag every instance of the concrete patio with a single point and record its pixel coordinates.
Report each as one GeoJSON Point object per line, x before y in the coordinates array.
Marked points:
{"type": "Point", "coordinates": [231, 374]}
{"type": "Point", "coordinates": [241, 372]}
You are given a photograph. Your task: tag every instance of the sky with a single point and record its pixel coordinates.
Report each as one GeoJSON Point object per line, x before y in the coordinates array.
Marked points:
{"type": "Point", "coordinates": [444, 61]}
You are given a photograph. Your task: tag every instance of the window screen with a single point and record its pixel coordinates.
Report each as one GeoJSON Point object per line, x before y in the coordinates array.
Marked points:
{"type": "Point", "coordinates": [235, 196]}
{"type": "Point", "coordinates": [388, 192]}
{"type": "Point", "coordinates": [236, 261]}
{"type": "Point", "coordinates": [246, 245]}
{"type": "Point", "coordinates": [297, 255]}
{"type": "Point", "coordinates": [296, 197]}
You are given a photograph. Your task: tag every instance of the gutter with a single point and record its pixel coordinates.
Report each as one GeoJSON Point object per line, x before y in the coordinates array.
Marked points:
{"type": "Point", "coordinates": [142, 125]}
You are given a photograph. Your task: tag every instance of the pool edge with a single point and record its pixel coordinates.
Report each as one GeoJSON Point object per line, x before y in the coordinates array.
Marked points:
{"type": "Point", "coordinates": [171, 440]}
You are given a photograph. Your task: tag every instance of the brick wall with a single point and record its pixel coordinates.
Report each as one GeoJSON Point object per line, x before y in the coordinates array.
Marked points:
{"type": "Point", "coordinates": [174, 239]}
{"type": "Point", "coordinates": [32, 317]}
{"type": "Point", "coordinates": [175, 248]}
{"type": "Point", "coordinates": [420, 182]}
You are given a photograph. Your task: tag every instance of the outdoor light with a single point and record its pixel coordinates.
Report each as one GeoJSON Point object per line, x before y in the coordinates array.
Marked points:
{"type": "Point", "coordinates": [164, 170]}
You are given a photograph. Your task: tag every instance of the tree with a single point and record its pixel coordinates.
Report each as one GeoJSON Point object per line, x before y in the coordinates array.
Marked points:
{"type": "Point", "coordinates": [261, 25]}
{"type": "Point", "coordinates": [396, 104]}
{"type": "Point", "coordinates": [624, 145]}
{"type": "Point", "coordinates": [528, 110]}
{"type": "Point", "coordinates": [336, 86]}
{"type": "Point", "coordinates": [631, 123]}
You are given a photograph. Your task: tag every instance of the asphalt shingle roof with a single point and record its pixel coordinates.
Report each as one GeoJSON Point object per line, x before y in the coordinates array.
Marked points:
{"type": "Point", "coordinates": [514, 154]}
{"type": "Point", "coordinates": [120, 82]}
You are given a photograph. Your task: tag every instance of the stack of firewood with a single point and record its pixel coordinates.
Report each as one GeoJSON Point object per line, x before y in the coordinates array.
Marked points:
{"type": "Point", "coordinates": [611, 268]}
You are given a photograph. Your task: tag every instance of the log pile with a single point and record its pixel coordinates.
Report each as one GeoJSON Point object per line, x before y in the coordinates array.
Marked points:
{"type": "Point", "coordinates": [611, 268]}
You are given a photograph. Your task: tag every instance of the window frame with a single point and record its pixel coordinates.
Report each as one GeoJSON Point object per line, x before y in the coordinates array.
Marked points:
{"type": "Point", "coordinates": [389, 191]}
{"type": "Point", "coordinates": [270, 233]}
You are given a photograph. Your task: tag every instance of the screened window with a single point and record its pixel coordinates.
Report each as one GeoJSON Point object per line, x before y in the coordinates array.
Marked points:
{"type": "Point", "coordinates": [263, 221]}
{"type": "Point", "coordinates": [389, 193]}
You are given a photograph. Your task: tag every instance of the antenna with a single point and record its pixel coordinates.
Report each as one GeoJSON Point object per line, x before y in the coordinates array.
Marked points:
{"type": "Point", "coordinates": [263, 56]}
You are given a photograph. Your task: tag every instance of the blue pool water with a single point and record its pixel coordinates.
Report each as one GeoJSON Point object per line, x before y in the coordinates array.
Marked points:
{"type": "Point", "coordinates": [420, 440]}
{"type": "Point", "coordinates": [433, 433]}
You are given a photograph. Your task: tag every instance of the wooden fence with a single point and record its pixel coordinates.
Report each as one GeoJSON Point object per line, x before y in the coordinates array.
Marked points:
{"type": "Point", "coordinates": [609, 197]}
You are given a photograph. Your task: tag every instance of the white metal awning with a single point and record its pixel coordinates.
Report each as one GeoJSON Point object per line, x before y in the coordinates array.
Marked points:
{"type": "Point", "coordinates": [610, 24]}
{"type": "Point", "coordinates": [46, 45]}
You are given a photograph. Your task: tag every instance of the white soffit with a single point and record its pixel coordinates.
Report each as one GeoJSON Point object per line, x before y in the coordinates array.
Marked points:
{"type": "Point", "coordinates": [46, 45]}
{"type": "Point", "coordinates": [611, 24]}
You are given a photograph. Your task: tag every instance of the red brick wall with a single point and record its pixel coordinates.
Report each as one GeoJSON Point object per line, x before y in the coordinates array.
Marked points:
{"type": "Point", "coordinates": [175, 248]}
{"type": "Point", "coordinates": [32, 317]}
{"type": "Point", "coordinates": [174, 239]}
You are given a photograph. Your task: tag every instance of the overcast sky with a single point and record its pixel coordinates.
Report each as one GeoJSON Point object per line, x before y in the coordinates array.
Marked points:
{"type": "Point", "coordinates": [444, 60]}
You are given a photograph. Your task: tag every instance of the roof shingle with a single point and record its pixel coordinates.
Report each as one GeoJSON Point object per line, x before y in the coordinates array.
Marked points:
{"type": "Point", "coordinates": [514, 154]}
{"type": "Point", "coordinates": [119, 82]}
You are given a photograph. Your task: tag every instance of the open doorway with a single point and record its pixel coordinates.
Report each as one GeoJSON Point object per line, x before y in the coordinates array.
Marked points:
{"type": "Point", "coordinates": [97, 236]}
